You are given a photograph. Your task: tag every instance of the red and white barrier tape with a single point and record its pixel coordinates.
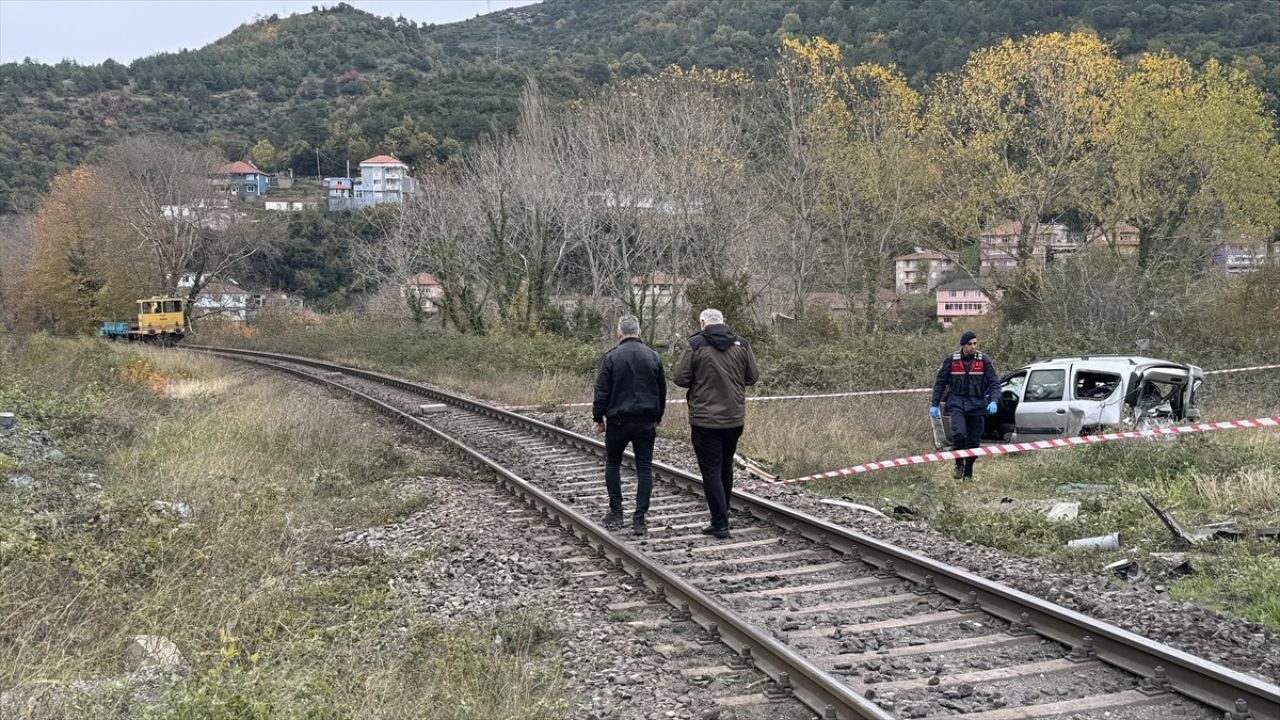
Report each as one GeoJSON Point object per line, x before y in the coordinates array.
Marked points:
{"type": "Point", "coordinates": [1241, 369]}
{"type": "Point", "coordinates": [1273, 421]}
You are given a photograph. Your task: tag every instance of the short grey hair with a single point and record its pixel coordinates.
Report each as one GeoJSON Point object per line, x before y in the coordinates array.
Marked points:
{"type": "Point", "coordinates": [629, 326]}
{"type": "Point", "coordinates": [711, 316]}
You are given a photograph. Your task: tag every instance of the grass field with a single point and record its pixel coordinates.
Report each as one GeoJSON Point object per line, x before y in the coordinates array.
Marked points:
{"type": "Point", "coordinates": [203, 507]}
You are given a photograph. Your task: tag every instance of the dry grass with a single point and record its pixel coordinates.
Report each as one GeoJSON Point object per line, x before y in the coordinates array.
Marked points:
{"type": "Point", "coordinates": [1242, 492]}
{"type": "Point", "coordinates": [270, 472]}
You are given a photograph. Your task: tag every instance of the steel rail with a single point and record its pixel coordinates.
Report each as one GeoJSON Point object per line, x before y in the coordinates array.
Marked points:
{"type": "Point", "coordinates": [1163, 668]}
{"type": "Point", "coordinates": [793, 674]}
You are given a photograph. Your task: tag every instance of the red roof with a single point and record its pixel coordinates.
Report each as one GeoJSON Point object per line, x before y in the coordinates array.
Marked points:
{"type": "Point", "coordinates": [239, 167]}
{"type": "Point", "coordinates": [381, 160]}
{"type": "Point", "coordinates": [219, 287]}
{"type": "Point", "coordinates": [923, 255]}
{"type": "Point", "coordinates": [423, 279]}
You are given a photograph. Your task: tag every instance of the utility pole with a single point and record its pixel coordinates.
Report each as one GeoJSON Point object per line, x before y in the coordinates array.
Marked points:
{"type": "Point", "coordinates": [317, 163]}
{"type": "Point", "coordinates": [497, 31]}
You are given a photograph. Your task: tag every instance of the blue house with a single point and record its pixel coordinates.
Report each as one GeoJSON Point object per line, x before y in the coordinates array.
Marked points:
{"type": "Point", "coordinates": [242, 178]}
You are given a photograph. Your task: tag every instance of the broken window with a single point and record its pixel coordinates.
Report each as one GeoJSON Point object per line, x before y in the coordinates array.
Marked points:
{"type": "Point", "coordinates": [1093, 385]}
{"type": "Point", "coordinates": [1045, 386]}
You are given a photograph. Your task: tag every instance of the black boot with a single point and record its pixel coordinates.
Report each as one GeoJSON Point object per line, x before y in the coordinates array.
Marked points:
{"type": "Point", "coordinates": [612, 520]}
{"type": "Point", "coordinates": [638, 526]}
{"type": "Point", "coordinates": [958, 472]}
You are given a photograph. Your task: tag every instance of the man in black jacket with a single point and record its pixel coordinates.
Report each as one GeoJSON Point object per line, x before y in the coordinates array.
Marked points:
{"type": "Point", "coordinates": [631, 392]}
{"type": "Point", "coordinates": [717, 367]}
{"type": "Point", "coordinates": [973, 386]}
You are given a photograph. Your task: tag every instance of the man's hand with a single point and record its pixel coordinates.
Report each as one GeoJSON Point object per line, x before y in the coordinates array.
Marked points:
{"type": "Point", "coordinates": [934, 412]}
{"type": "Point", "coordinates": [991, 408]}
{"type": "Point", "coordinates": [600, 427]}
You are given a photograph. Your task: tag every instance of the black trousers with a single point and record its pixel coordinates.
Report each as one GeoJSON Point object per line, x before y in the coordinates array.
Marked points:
{"type": "Point", "coordinates": [967, 431]}
{"type": "Point", "coordinates": [715, 448]}
{"type": "Point", "coordinates": [617, 433]}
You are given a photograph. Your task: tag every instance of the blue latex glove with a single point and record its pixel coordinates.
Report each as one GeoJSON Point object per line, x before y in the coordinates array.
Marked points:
{"type": "Point", "coordinates": [991, 408]}
{"type": "Point", "coordinates": [934, 412]}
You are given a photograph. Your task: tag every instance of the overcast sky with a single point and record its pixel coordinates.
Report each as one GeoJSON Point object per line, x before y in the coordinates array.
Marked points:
{"type": "Point", "coordinates": [90, 31]}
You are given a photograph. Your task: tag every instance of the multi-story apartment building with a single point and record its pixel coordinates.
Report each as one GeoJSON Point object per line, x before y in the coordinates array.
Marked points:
{"type": "Point", "coordinates": [958, 299]}
{"type": "Point", "coordinates": [920, 271]}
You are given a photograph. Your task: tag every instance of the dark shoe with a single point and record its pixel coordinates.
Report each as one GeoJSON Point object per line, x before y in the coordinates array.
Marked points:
{"type": "Point", "coordinates": [612, 520]}
{"type": "Point", "coordinates": [968, 474]}
{"type": "Point", "coordinates": [958, 472]}
{"type": "Point", "coordinates": [722, 533]}
{"type": "Point", "coordinates": [638, 526]}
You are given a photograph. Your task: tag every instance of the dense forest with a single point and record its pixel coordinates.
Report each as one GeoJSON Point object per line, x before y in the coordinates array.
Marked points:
{"type": "Point", "coordinates": [311, 92]}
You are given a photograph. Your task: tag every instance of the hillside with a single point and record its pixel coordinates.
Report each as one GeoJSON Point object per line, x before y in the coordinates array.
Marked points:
{"type": "Point", "coordinates": [340, 84]}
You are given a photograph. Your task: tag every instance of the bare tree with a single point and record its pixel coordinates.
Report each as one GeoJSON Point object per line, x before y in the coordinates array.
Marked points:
{"type": "Point", "coordinates": [165, 194]}
{"type": "Point", "coordinates": [437, 231]}
{"type": "Point", "coordinates": [16, 242]}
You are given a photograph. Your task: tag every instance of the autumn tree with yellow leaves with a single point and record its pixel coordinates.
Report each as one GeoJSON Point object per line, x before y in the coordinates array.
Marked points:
{"type": "Point", "coordinates": [873, 180]}
{"type": "Point", "coordinates": [1187, 156]}
{"type": "Point", "coordinates": [84, 269]}
{"type": "Point", "coordinates": [1017, 130]}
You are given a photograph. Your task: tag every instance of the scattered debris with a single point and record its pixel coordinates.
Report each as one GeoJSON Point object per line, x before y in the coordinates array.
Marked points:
{"type": "Point", "coordinates": [430, 408]}
{"type": "Point", "coordinates": [152, 651]}
{"type": "Point", "coordinates": [181, 510]}
{"type": "Point", "coordinates": [904, 511]}
{"type": "Point", "coordinates": [1097, 542]}
{"type": "Point", "coordinates": [1084, 488]}
{"type": "Point", "coordinates": [855, 506]}
{"type": "Point", "coordinates": [755, 469]}
{"type": "Point", "coordinates": [1127, 568]}
{"type": "Point", "coordinates": [7, 423]}
{"type": "Point", "coordinates": [1063, 511]}
{"type": "Point", "coordinates": [1177, 563]}
{"type": "Point", "coordinates": [24, 482]}
{"type": "Point", "coordinates": [1227, 530]}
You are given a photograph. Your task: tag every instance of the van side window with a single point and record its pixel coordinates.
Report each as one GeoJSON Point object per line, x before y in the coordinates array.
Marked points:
{"type": "Point", "coordinates": [1093, 385]}
{"type": "Point", "coordinates": [1045, 385]}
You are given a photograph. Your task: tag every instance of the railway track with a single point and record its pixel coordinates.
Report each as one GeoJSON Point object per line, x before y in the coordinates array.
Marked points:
{"type": "Point", "coordinates": [850, 626]}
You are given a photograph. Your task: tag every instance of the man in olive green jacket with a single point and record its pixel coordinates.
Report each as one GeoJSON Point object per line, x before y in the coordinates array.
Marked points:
{"type": "Point", "coordinates": [717, 367]}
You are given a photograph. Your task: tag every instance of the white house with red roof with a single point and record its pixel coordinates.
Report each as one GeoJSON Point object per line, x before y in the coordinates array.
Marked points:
{"type": "Point", "coordinates": [383, 179]}
{"type": "Point", "coordinates": [424, 289]}
{"type": "Point", "coordinates": [241, 178]}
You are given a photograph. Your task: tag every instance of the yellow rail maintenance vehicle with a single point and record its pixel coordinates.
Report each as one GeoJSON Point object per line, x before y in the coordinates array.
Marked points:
{"type": "Point", "coordinates": [160, 319]}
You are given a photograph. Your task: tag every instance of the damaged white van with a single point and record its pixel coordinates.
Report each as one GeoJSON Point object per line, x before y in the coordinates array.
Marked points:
{"type": "Point", "coordinates": [1071, 396]}
{"type": "Point", "coordinates": [1080, 395]}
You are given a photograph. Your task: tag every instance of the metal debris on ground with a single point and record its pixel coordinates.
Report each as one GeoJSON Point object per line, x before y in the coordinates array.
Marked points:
{"type": "Point", "coordinates": [1127, 568]}
{"type": "Point", "coordinates": [1110, 541]}
{"type": "Point", "coordinates": [1084, 488]}
{"type": "Point", "coordinates": [1063, 511]}
{"type": "Point", "coordinates": [854, 506]}
{"type": "Point", "coordinates": [755, 469]}
{"type": "Point", "coordinates": [1227, 530]}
